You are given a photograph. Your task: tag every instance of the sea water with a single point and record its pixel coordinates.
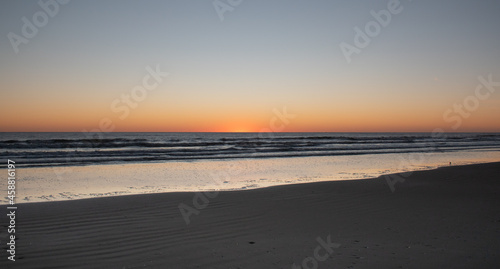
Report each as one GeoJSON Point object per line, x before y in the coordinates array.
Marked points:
{"type": "Point", "coordinates": [63, 166]}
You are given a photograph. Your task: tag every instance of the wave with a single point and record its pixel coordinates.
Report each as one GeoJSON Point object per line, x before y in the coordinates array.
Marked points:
{"type": "Point", "coordinates": [73, 149]}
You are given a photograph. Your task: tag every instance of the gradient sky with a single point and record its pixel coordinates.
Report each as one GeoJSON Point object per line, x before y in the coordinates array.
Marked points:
{"type": "Point", "coordinates": [229, 75]}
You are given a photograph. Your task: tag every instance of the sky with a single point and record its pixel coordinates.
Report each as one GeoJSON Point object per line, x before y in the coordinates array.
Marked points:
{"type": "Point", "coordinates": [250, 65]}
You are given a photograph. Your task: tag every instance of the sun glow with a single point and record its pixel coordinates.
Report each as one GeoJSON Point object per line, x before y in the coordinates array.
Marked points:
{"type": "Point", "coordinates": [239, 128]}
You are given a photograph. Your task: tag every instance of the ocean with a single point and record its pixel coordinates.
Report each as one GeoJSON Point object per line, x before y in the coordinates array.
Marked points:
{"type": "Point", "coordinates": [67, 166]}
{"type": "Point", "coordinates": [55, 149]}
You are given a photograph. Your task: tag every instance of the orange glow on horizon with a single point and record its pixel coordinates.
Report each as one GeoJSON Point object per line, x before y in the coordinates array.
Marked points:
{"type": "Point", "coordinates": [369, 117]}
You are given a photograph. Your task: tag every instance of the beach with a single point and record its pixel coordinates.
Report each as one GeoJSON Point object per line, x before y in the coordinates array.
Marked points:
{"type": "Point", "coordinates": [239, 134]}
{"type": "Point", "coordinates": [443, 218]}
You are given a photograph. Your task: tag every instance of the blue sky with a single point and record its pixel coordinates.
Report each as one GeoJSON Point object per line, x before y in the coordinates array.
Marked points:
{"type": "Point", "coordinates": [263, 55]}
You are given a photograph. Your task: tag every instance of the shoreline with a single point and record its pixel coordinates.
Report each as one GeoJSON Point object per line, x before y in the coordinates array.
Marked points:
{"type": "Point", "coordinates": [445, 217]}
{"type": "Point", "coordinates": [258, 188]}
{"type": "Point", "coordinates": [81, 182]}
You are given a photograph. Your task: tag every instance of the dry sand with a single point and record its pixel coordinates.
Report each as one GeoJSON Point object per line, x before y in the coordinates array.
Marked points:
{"type": "Point", "coordinates": [444, 218]}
